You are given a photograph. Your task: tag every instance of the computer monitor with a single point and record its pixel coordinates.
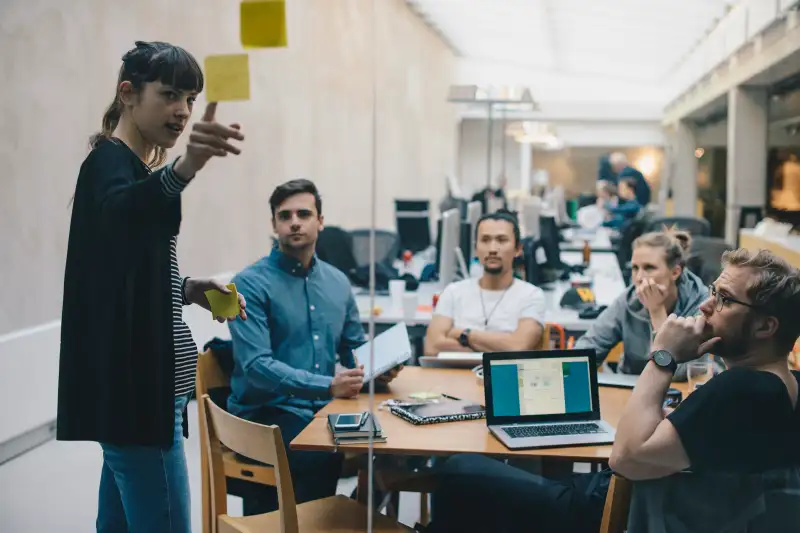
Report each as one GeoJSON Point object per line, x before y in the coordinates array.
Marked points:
{"type": "Point", "coordinates": [413, 224]}
{"type": "Point", "coordinates": [474, 212]}
{"type": "Point", "coordinates": [449, 238]}
{"type": "Point", "coordinates": [549, 240]}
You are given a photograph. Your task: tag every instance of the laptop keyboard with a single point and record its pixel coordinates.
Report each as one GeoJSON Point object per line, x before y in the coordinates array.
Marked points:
{"type": "Point", "coordinates": [520, 432]}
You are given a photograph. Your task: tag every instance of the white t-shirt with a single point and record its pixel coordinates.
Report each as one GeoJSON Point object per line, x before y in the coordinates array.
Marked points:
{"type": "Point", "coordinates": [461, 301]}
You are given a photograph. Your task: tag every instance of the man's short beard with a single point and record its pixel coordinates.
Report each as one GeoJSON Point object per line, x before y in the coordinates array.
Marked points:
{"type": "Point", "coordinates": [737, 348]}
{"type": "Point", "coordinates": [493, 269]}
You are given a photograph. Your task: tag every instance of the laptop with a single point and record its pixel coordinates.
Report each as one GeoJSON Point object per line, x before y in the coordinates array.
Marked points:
{"type": "Point", "coordinates": [613, 379]}
{"type": "Point", "coordinates": [544, 399]}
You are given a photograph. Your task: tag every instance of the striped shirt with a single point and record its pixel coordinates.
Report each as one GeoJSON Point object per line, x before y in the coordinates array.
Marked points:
{"type": "Point", "coordinates": [185, 348]}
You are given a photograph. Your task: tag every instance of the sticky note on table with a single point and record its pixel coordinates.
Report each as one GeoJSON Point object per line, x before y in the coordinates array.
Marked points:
{"type": "Point", "coordinates": [227, 77]}
{"type": "Point", "coordinates": [224, 305]}
{"type": "Point", "coordinates": [262, 23]}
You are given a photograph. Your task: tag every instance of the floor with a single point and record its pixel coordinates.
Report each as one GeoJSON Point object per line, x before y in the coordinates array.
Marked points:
{"type": "Point", "coordinates": [54, 488]}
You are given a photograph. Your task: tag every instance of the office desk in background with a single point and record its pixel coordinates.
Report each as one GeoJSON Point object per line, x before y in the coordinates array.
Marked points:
{"type": "Point", "coordinates": [603, 268]}
{"type": "Point", "coordinates": [599, 240]}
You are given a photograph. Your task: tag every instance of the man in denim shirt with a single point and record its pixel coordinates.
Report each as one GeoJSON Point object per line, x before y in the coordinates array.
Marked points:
{"type": "Point", "coordinates": [301, 314]}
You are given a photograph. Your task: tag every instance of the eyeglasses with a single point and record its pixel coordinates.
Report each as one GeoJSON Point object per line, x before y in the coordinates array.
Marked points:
{"type": "Point", "coordinates": [722, 301]}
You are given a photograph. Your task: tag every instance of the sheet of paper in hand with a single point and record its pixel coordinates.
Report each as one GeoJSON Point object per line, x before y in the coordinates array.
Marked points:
{"type": "Point", "coordinates": [391, 348]}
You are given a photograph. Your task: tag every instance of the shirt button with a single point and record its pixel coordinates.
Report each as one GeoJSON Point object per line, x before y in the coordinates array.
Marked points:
{"type": "Point", "coordinates": [312, 307]}
{"type": "Point", "coordinates": [316, 337]}
{"type": "Point", "coordinates": [316, 366]}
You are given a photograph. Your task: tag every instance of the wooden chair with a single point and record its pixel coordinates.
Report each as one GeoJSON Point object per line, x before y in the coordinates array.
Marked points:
{"type": "Point", "coordinates": [210, 375]}
{"type": "Point", "coordinates": [618, 502]}
{"type": "Point", "coordinates": [265, 444]}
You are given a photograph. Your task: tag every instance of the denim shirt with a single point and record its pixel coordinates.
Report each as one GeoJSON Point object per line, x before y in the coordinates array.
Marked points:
{"type": "Point", "coordinates": [298, 320]}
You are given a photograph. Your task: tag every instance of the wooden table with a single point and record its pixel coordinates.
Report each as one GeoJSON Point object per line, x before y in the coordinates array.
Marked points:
{"type": "Point", "coordinates": [450, 438]}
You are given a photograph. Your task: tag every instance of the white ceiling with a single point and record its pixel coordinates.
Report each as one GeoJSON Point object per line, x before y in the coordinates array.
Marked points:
{"type": "Point", "coordinates": [637, 40]}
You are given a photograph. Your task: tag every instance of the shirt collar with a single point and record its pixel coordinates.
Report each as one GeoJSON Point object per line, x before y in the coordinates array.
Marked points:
{"type": "Point", "coordinates": [291, 265]}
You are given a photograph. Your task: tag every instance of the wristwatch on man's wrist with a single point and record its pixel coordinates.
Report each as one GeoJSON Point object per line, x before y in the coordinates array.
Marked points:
{"type": "Point", "coordinates": [463, 339]}
{"type": "Point", "coordinates": [664, 359]}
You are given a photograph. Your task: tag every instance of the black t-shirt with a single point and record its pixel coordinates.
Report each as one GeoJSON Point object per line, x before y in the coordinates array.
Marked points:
{"type": "Point", "coordinates": [741, 421]}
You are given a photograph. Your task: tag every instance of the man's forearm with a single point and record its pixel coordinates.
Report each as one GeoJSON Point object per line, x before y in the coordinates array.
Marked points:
{"type": "Point", "coordinates": [492, 341]}
{"type": "Point", "coordinates": [644, 409]}
{"type": "Point", "coordinates": [444, 344]}
{"type": "Point", "coordinates": [658, 317]}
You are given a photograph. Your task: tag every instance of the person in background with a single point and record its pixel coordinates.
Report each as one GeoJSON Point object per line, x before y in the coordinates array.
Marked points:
{"type": "Point", "coordinates": [605, 172]}
{"type": "Point", "coordinates": [661, 285]}
{"type": "Point", "coordinates": [742, 421]}
{"type": "Point", "coordinates": [127, 363]}
{"type": "Point", "coordinates": [625, 207]}
{"type": "Point", "coordinates": [496, 312]}
{"type": "Point", "coordinates": [606, 194]}
{"type": "Point", "coordinates": [619, 162]}
{"type": "Point", "coordinates": [493, 197]}
{"type": "Point", "coordinates": [302, 316]}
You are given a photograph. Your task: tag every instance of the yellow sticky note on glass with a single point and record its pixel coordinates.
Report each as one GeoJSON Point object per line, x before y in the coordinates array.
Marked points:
{"type": "Point", "coordinates": [262, 23]}
{"type": "Point", "coordinates": [224, 305]}
{"type": "Point", "coordinates": [227, 78]}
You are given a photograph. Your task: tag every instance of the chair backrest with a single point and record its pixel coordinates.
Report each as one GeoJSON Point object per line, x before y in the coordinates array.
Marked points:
{"type": "Point", "coordinates": [255, 441]}
{"type": "Point", "coordinates": [335, 246]}
{"type": "Point", "coordinates": [387, 246]}
{"type": "Point", "coordinates": [695, 226]}
{"type": "Point", "coordinates": [705, 257]}
{"type": "Point", "coordinates": [618, 502]}
{"type": "Point", "coordinates": [209, 376]}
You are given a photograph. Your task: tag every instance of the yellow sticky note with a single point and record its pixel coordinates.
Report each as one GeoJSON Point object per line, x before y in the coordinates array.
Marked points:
{"type": "Point", "coordinates": [227, 77]}
{"type": "Point", "coordinates": [224, 305]}
{"type": "Point", "coordinates": [262, 23]}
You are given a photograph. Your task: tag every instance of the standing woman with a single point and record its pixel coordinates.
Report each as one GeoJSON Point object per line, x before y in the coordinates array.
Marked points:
{"type": "Point", "coordinates": [127, 358]}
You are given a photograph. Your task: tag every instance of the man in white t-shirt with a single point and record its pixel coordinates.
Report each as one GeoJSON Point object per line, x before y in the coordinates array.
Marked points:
{"type": "Point", "coordinates": [496, 312]}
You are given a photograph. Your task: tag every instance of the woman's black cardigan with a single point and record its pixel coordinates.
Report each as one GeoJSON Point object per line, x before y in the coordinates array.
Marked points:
{"type": "Point", "coordinates": [117, 365]}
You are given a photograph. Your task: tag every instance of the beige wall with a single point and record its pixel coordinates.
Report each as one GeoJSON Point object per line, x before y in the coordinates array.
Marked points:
{"type": "Point", "coordinates": [575, 166]}
{"type": "Point", "coordinates": [310, 115]}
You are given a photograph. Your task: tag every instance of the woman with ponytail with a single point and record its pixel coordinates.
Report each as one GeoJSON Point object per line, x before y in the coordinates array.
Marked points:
{"type": "Point", "coordinates": [661, 285]}
{"type": "Point", "coordinates": [127, 358]}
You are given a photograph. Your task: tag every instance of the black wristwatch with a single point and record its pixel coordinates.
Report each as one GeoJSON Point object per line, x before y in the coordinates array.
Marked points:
{"type": "Point", "coordinates": [463, 339]}
{"type": "Point", "coordinates": [664, 359]}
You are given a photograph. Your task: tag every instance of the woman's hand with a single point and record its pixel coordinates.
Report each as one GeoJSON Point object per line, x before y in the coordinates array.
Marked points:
{"type": "Point", "coordinates": [195, 292]}
{"type": "Point", "coordinates": [207, 139]}
{"type": "Point", "coordinates": [651, 294]}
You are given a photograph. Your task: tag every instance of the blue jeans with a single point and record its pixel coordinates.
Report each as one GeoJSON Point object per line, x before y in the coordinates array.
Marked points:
{"type": "Point", "coordinates": [145, 489]}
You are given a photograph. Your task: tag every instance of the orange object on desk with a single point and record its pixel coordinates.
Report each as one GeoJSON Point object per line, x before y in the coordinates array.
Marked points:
{"type": "Point", "coordinates": [425, 308]}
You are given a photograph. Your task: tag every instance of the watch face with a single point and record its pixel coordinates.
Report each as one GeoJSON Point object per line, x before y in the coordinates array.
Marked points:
{"type": "Point", "coordinates": [662, 358]}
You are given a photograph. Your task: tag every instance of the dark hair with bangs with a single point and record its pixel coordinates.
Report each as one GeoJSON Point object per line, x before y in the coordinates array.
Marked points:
{"type": "Point", "coordinates": [149, 62]}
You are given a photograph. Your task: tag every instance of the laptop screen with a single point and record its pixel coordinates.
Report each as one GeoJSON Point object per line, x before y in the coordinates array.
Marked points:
{"type": "Point", "coordinates": [541, 386]}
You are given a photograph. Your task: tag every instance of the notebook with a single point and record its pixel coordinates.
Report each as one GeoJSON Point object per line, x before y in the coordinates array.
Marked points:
{"type": "Point", "coordinates": [356, 436]}
{"type": "Point", "coordinates": [449, 409]}
{"type": "Point", "coordinates": [391, 348]}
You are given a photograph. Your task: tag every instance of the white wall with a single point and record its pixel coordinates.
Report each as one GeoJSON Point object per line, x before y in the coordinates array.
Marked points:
{"type": "Point", "coordinates": [310, 115]}
{"type": "Point", "coordinates": [615, 95]}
